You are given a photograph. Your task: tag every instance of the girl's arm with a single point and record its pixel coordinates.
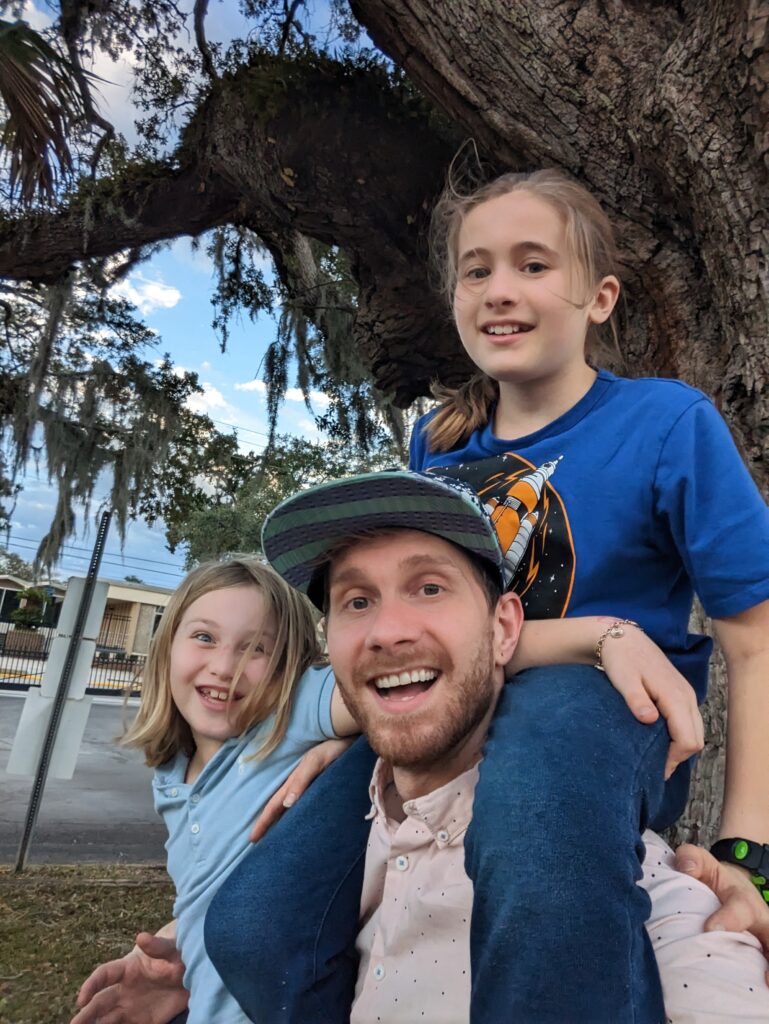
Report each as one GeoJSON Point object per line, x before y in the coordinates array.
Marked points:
{"type": "Point", "coordinates": [634, 665]}
{"type": "Point", "coordinates": [744, 639]}
{"type": "Point", "coordinates": [309, 768]}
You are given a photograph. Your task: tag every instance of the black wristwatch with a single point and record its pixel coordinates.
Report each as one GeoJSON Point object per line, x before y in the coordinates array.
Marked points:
{"type": "Point", "coordinates": [746, 854]}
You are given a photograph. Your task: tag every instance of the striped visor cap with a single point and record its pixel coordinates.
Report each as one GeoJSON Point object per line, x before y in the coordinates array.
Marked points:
{"type": "Point", "coordinates": [304, 528]}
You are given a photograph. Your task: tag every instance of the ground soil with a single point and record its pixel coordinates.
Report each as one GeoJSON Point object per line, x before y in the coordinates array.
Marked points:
{"type": "Point", "coordinates": [57, 923]}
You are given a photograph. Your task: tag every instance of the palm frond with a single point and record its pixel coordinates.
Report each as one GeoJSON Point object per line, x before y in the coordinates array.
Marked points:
{"type": "Point", "coordinates": [42, 102]}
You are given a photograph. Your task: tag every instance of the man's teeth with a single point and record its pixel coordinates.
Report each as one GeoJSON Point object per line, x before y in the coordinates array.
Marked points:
{"type": "Point", "coordinates": [420, 675]}
{"type": "Point", "coordinates": [221, 695]}
{"type": "Point", "coordinates": [506, 329]}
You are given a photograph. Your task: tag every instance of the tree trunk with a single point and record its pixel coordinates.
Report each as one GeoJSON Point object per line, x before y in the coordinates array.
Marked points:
{"type": "Point", "coordinates": [662, 110]}
{"type": "Point", "coordinates": [699, 822]}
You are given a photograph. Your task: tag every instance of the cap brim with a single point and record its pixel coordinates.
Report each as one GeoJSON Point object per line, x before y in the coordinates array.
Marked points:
{"type": "Point", "coordinates": [301, 530]}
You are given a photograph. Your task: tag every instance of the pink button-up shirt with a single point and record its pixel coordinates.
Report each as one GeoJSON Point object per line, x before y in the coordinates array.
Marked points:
{"type": "Point", "coordinates": [414, 942]}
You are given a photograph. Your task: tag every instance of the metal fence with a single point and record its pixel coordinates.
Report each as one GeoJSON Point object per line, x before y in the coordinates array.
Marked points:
{"type": "Point", "coordinates": [22, 663]}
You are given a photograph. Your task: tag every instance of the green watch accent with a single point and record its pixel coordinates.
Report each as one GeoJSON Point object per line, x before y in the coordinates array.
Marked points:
{"type": "Point", "coordinates": [754, 857]}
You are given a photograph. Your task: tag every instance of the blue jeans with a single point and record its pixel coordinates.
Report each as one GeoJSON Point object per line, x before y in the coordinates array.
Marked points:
{"type": "Point", "coordinates": [568, 782]}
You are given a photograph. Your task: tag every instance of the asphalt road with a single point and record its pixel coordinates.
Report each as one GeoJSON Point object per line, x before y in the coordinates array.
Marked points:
{"type": "Point", "coordinates": [104, 813]}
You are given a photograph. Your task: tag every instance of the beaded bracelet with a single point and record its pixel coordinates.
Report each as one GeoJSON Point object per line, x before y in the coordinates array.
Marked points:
{"type": "Point", "coordinates": [615, 631]}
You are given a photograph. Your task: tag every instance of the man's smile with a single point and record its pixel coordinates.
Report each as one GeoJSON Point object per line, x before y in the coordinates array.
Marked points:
{"type": "Point", "coordinates": [400, 690]}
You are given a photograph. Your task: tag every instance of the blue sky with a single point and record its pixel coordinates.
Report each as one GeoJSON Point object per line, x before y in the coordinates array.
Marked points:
{"type": "Point", "coordinates": [173, 292]}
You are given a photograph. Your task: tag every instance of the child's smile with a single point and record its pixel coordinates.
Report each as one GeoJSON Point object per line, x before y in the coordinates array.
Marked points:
{"type": "Point", "coordinates": [207, 654]}
{"type": "Point", "coordinates": [518, 301]}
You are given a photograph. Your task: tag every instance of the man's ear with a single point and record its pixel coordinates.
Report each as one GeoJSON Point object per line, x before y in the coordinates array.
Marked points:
{"type": "Point", "coordinates": [508, 619]}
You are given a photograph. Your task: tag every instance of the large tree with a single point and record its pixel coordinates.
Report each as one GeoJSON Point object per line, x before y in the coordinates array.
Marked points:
{"type": "Point", "coordinates": [333, 160]}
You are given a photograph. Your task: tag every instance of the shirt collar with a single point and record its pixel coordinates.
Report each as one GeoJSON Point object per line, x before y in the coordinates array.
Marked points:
{"type": "Point", "coordinates": [446, 811]}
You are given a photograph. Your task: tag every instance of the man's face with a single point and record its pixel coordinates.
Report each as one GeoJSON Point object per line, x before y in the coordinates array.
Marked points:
{"type": "Point", "coordinates": [415, 649]}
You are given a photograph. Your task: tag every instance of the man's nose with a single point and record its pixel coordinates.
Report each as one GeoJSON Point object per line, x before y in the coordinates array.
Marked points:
{"type": "Point", "coordinates": [393, 625]}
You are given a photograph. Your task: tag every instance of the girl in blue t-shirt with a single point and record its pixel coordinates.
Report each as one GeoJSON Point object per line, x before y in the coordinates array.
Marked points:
{"type": "Point", "coordinates": [232, 699]}
{"type": "Point", "coordinates": [614, 501]}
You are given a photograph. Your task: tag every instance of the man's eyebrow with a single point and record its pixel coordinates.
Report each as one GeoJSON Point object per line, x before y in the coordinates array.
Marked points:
{"type": "Point", "coordinates": [537, 247]}
{"type": "Point", "coordinates": [430, 562]}
{"type": "Point", "coordinates": [353, 575]}
{"type": "Point", "coordinates": [345, 577]}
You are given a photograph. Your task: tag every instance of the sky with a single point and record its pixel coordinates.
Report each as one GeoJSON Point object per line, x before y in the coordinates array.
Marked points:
{"type": "Point", "coordinates": [172, 291]}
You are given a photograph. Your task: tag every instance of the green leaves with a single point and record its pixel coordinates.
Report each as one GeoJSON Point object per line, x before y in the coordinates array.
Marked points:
{"type": "Point", "coordinates": [43, 103]}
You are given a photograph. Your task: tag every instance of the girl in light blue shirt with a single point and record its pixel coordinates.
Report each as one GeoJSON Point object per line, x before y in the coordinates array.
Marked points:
{"type": "Point", "coordinates": [232, 698]}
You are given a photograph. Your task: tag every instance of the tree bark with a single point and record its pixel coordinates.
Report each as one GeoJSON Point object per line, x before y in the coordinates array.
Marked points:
{"type": "Point", "coordinates": [662, 110]}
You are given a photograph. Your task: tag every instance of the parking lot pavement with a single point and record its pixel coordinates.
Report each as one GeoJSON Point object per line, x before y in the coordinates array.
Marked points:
{"type": "Point", "coordinates": [104, 813]}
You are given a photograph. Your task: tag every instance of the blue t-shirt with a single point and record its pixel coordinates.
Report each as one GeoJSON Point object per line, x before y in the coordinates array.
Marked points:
{"type": "Point", "coordinates": [208, 825]}
{"type": "Point", "coordinates": [623, 506]}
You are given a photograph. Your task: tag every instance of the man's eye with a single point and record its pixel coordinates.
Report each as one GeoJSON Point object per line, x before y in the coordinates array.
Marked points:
{"type": "Point", "coordinates": [431, 589]}
{"type": "Point", "coordinates": [358, 604]}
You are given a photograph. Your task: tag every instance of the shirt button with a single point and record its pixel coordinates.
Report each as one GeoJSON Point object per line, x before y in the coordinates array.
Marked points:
{"type": "Point", "coordinates": [402, 863]}
{"type": "Point", "coordinates": [174, 792]}
{"type": "Point", "coordinates": [195, 829]}
{"type": "Point", "coordinates": [195, 798]}
{"type": "Point", "coordinates": [442, 836]}
{"type": "Point", "coordinates": [379, 972]}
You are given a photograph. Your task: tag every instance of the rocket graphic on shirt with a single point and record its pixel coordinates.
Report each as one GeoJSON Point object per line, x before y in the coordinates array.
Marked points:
{"type": "Point", "coordinates": [532, 526]}
{"type": "Point", "coordinates": [515, 516]}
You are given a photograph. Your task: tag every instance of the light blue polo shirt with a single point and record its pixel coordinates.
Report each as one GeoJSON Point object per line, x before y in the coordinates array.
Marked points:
{"type": "Point", "coordinates": [209, 821]}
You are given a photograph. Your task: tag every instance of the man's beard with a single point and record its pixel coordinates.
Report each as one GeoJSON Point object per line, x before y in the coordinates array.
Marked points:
{"type": "Point", "coordinates": [419, 739]}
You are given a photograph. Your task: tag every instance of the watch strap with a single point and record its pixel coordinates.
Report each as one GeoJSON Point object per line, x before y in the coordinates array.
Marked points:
{"type": "Point", "coordinates": [746, 854]}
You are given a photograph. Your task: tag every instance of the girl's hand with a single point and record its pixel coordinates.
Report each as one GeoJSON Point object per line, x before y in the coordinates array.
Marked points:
{"type": "Point", "coordinates": [309, 768]}
{"type": "Point", "coordinates": [143, 987]}
{"type": "Point", "coordinates": [743, 909]}
{"type": "Point", "coordinates": [651, 686]}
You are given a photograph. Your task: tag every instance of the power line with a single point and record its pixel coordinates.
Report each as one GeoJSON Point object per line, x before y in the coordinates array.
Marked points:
{"type": "Point", "coordinates": [120, 564]}
{"type": "Point", "coordinates": [108, 554]}
{"type": "Point", "coordinates": [237, 426]}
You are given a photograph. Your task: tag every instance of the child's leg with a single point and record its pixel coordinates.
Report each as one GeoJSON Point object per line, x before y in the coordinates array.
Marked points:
{"type": "Point", "coordinates": [281, 929]}
{"type": "Point", "coordinates": [707, 977]}
{"type": "Point", "coordinates": [568, 781]}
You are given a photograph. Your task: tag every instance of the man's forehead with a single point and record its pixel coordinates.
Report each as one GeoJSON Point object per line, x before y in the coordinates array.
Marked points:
{"type": "Point", "coordinates": [400, 547]}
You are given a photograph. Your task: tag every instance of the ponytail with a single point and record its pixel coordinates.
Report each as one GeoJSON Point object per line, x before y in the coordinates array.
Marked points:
{"type": "Point", "coordinates": [462, 411]}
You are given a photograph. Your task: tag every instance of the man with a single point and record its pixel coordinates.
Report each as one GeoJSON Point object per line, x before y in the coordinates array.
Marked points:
{"type": "Point", "coordinates": [418, 635]}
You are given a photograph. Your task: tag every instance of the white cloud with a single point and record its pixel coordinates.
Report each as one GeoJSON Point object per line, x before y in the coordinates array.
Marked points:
{"type": "Point", "coordinates": [252, 385]}
{"type": "Point", "coordinates": [211, 398]}
{"type": "Point", "coordinates": [205, 365]}
{"type": "Point", "coordinates": [145, 294]}
{"type": "Point", "coordinates": [35, 18]}
{"type": "Point", "coordinates": [193, 257]}
{"type": "Point", "coordinates": [316, 397]}
{"type": "Point", "coordinates": [309, 428]}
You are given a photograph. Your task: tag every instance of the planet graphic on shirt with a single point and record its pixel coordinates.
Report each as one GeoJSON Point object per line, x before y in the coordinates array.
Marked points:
{"type": "Point", "coordinates": [532, 525]}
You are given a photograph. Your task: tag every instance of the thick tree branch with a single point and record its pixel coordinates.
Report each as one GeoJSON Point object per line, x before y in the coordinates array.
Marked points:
{"type": "Point", "coordinates": [201, 8]}
{"type": "Point", "coordinates": [333, 155]}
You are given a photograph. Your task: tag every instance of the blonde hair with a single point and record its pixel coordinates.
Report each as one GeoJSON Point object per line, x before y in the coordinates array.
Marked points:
{"type": "Point", "coordinates": [589, 243]}
{"type": "Point", "coordinates": [159, 729]}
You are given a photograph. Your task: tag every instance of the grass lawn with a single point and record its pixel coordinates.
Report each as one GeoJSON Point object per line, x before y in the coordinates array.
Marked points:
{"type": "Point", "coordinates": [58, 923]}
